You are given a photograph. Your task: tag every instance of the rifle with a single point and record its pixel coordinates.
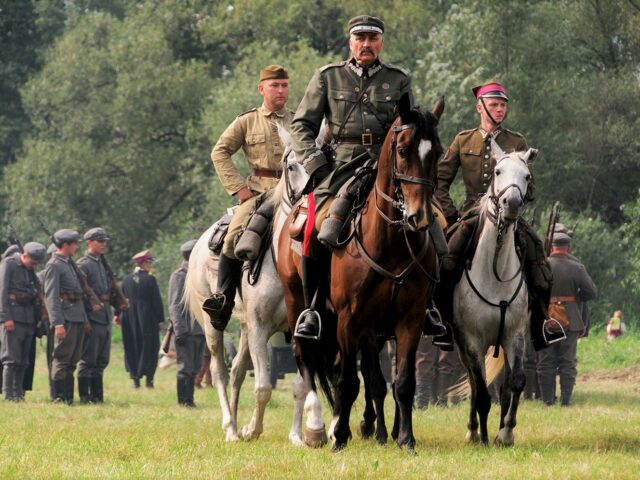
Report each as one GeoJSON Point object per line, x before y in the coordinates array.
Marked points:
{"type": "Point", "coordinates": [94, 303]}
{"type": "Point", "coordinates": [41, 314]}
{"type": "Point", "coordinates": [554, 216]}
{"type": "Point", "coordinates": [166, 341]}
{"type": "Point", "coordinates": [117, 298]}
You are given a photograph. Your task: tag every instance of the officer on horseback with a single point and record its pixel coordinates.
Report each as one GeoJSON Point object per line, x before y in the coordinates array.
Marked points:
{"type": "Point", "coordinates": [471, 152]}
{"type": "Point", "coordinates": [357, 97]}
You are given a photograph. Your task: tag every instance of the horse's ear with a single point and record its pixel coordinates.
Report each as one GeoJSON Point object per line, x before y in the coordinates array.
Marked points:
{"type": "Point", "coordinates": [404, 106]}
{"type": "Point", "coordinates": [530, 155]}
{"type": "Point", "coordinates": [438, 108]}
{"type": "Point", "coordinates": [284, 135]}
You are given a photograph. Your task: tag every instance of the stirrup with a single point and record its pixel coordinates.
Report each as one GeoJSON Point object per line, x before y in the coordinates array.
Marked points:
{"type": "Point", "coordinates": [561, 334]}
{"type": "Point", "coordinates": [302, 335]}
{"type": "Point", "coordinates": [436, 315]}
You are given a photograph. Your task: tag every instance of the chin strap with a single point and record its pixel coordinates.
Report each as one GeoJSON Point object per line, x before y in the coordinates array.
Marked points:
{"type": "Point", "coordinates": [489, 115]}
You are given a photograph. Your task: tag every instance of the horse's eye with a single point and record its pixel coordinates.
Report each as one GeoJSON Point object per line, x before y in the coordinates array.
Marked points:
{"type": "Point", "coordinates": [527, 178]}
{"type": "Point", "coordinates": [497, 172]}
{"type": "Point", "coordinates": [289, 167]}
{"type": "Point", "coordinates": [402, 151]}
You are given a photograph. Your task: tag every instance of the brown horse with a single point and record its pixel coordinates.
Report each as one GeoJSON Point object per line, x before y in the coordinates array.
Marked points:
{"type": "Point", "coordinates": [380, 282]}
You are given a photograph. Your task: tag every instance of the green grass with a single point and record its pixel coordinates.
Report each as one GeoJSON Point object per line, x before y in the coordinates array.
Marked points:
{"type": "Point", "coordinates": [143, 434]}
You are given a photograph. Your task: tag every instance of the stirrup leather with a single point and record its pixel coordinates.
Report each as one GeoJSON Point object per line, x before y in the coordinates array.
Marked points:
{"type": "Point", "coordinates": [299, 320]}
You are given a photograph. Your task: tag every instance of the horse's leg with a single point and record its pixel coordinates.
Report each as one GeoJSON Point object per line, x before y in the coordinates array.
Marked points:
{"type": "Point", "coordinates": [514, 380]}
{"type": "Point", "coordinates": [480, 398]}
{"type": "Point", "coordinates": [239, 371]}
{"type": "Point", "coordinates": [407, 338]}
{"type": "Point", "coordinates": [366, 426]}
{"type": "Point", "coordinates": [347, 388]}
{"type": "Point", "coordinates": [379, 393]}
{"type": "Point", "coordinates": [315, 434]}
{"type": "Point", "coordinates": [299, 395]}
{"type": "Point", "coordinates": [220, 377]}
{"type": "Point", "coordinates": [258, 337]}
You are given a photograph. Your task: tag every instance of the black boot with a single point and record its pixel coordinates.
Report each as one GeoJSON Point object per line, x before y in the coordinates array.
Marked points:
{"type": "Point", "coordinates": [69, 387]}
{"type": "Point", "coordinates": [433, 323]}
{"type": "Point", "coordinates": [180, 388]}
{"type": "Point", "coordinates": [84, 384]}
{"type": "Point", "coordinates": [97, 393]}
{"type": "Point", "coordinates": [189, 387]}
{"type": "Point", "coordinates": [8, 383]}
{"type": "Point", "coordinates": [443, 299]}
{"type": "Point", "coordinates": [149, 382]}
{"type": "Point", "coordinates": [59, 393]}
{"type": "Point", "coordinates": [308, 324]}
{"type": "Point", "coordinates": [136, 382]}
{"type": "Point", "coordinates": [220, 305]}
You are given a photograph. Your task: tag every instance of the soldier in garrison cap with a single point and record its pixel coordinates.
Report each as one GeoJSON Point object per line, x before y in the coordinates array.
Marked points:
{"type": "Point", "coordinates": [256, 132]}
{"type": "Point", "coordinates": [188, 332]}
{"type": "Point", "coordinates": [64, 299]}
{"type": "Point", "coordinates": [97, 346]}
{"type": "Point", "coordinates": [18, 316]}
{"type": "Point", "coordinates": [141, 321]}
{"type": "Point", "coordinates": [470, 151]}
{"type": "Point", "coordinates": [357, 97]}
{"type": "Point", "coordinates": [572, 286]}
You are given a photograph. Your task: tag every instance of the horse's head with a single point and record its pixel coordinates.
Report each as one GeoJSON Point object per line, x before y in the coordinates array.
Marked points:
{"type": "Point", "coordinates": [296, 177]}
{"type": "Point", "coordinates": [510, 181]}
{"type": "Point", "coordinates": [415, 149]}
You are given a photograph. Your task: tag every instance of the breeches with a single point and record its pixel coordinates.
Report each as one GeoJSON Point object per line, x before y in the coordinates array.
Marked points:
{"type": "Point", "coordinates": [238, 221]}
{"type": "Point", "coordinates": [68, 351]}
{"type": "Point", "coordinates": [96, 351]}
{"type": "Point", "coordinates": [15, 346]}
{"type": "Point", "coordinates": [559, 358]}
{"type": "Point", "coordinates": [189, 356]}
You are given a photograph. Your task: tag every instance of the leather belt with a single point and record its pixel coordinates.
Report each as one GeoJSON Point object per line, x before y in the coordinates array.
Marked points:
{"type": "Point", "coordinates": [366, 139]}
{"type": "Point", "coordinates": [104, 297]}
{"type": "Point", "coordinates": [71, 296]}
{"type": "Point", "coordinates": [562, 299]}
{"type": "Point", "coordinates": [21, 298]}
{"type": "Point", "coordinates": [265, 172]}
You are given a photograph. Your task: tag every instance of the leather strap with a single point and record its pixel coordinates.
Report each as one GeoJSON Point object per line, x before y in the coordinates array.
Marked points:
{"type": "Point", "coordinates": [265, 172]}
{"type": "Point", "coordinates": [73, 296]}
{"type": "Point", "coordinates": [562, 299]}
{"type": "Point", "coordinates": [364, 139]}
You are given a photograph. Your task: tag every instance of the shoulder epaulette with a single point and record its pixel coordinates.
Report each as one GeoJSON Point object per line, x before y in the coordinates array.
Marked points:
{"type": "Point", "coordinates": [332, 65]}
{"type": "Point", "coordinates": [248, 111]}
{"type": "Point", "coordinates": [466, 132]}
{"type": "Point", "coordinates": [391, 66]}
{"type": "Point", "coordinates": [517, 134]}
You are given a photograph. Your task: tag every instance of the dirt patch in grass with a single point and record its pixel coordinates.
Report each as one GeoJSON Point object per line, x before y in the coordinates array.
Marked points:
{"type": "Point", "coordinates": [623, 374]}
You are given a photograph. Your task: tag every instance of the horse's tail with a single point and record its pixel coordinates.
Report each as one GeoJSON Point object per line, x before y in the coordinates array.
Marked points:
{"type": "Point", "coordinates": [493, 366]}
{"type": "Point", "coordinates": [319, 357]}
{"type": "Point", "coordinates": [200, 275]}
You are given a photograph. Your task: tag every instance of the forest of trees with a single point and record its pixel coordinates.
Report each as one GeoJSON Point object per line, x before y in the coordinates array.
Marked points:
{"type": "Point", "coordinates": [109, 108]}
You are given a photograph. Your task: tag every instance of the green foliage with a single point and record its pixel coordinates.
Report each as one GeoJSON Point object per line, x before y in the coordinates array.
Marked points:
{"type": "Point", "coordinates": [597, 355]}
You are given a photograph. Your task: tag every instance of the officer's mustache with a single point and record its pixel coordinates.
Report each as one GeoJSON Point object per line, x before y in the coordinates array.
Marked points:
{"type": "Point", "coordinates": [366, 50]}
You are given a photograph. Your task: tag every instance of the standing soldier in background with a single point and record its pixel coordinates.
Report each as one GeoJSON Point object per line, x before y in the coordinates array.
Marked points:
{"type": "Point", "coordinates": [18, 297]}
{"type": "Point", "coordinates": [571, 285]}
{"type": "Point", "coordinates": [141, 321]}
{"type": "Point", "coordinates": [50, 330]}
{"type": "Point", "coordinates": [256, 132]}
{"type": "Point", "coordinates": [188, 333]}
{"type": "Point", "coordinates": [97, 346]}
{"type": "Point", "coordinates": [64, 301]}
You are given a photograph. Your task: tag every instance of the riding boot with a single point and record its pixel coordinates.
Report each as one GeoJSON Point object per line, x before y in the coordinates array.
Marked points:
{"type": "Point", "coordinates": [59, 393]}
{"type": "Point", "coordinates": [189, 385]}
{"type": "Point", "coordinates": [433, 323]}
{"type": "Point", "coordinates": [459, 238]}
{"type": "Point", "coordinates": [84, 384]}
{"type": "Point", "coordinates": [69, 387]}
{"type": "Point", "coordinates": [443, 298]}
{"type": "Point", "coordinates": [250, 240]}
{"type": "Point", "coordinates": [220, 305]}
{"type": "Point", "coordinates": [180, 388]}
{"type": "Point", "coordinates": [8, 382]}
{"type": "Point", "coordinates": [308, 324]}
{"type": "Point", "coordinates": [530, 383]}
{"type": "Point", "coordinates": [97, 392]}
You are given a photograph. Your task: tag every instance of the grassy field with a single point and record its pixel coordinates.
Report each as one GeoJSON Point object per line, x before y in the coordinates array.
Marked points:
{"type": "Point", "coordinates": [143, 434]}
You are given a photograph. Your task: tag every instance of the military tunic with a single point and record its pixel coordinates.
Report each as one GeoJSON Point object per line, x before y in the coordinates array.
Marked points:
{"type": "Point", "coordinates": [64, 301]}
{"type": "Point", "coordinates": [371, 96]}
{"type": "Point", "coordinates": [188, 332]}
{"type": "Point", "coordinates": [570, 279]}
{"type": "Point", "coordinates": [97, 346]}
{"type": "Point", "coordinates": [256, 132]}
{"type": "Point", "coordinates": [17, 303]}
{"type": "Point", "coordinates": [471, 151]}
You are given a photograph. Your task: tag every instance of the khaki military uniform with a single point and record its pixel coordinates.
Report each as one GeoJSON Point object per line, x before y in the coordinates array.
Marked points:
{"type": "Point", "coordinates": [256, 132]}
{"type": "Point", "coordinates": [571, 280]}
{"type": "Point", "coordinates": [471, 151]}
{"type": "Point", "coordinates": [333, 91]}
{"type": "Point", "coordinates": [17, 303]}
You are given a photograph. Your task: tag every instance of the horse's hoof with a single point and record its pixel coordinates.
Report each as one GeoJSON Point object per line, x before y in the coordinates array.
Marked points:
{"type": "Point", "coordinates": [505, 438]}
{"type": "Point", "coordinates": [381, 438]}
{"type": "Point", "coordinates": [365, 430]}
{"type": "Point", "coordinates": [296, 440]}
{"type": "Point", "coordinates": [315, 438]}
{"type": "Point", "coordinates": [338, 447]}
{"type": "Point", "coordinates": [409, 449]}
{"type": "Point", "coordinates": [472, 436]}
{"type": "Point", "coordinates": [232, 437]}
{"type": "Point", "coordinates": [247, 434]}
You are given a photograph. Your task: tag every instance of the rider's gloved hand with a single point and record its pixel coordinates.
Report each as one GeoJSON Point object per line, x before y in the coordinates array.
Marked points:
{"type": "Point", "coordinates": [317, 177]}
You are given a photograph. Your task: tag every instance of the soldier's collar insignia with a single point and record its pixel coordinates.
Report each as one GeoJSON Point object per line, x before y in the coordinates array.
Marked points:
{"type": "Point", "coordinates": [364, 72]}
{"type": "Point", "coordinates": [493, 134]}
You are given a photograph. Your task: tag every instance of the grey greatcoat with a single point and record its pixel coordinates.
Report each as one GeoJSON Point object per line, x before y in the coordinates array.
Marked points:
{"type": "Point", "coordinates": [97, 346]}
{"type": "Point", "coordinates": [188, 332]}
{"type": "Point", "coordinates": [570, 279]}
{"type": "Point", "coordinates": [141, 324]}
{"type": "Point", "coordinates": [17, 303]}
{"type": "Point", "coordinates": [64, 301]}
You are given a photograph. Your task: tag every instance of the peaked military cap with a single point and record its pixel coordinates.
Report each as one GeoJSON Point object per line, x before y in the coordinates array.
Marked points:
{"type": "Point", "coordinates": [96, 233]}
{"type": "Point", "coordinates": [271, 72]}
{"type": "Point", "coordinates": [561, 239]}
{"type": "Point", "coordinates": [490, 89]}
{"type": "Point", "coordinates": [187, 246]}
{"type": "Point", "coordinates": [365, 23]}
{"type": "Point", "coordinates": [66, 235]}
{"type": "Point", "coordinates": [143, 256]}
{"type": "Point", "coordinates": [10, 251]}
{"type": "Point", "coordinates": [36, 251]}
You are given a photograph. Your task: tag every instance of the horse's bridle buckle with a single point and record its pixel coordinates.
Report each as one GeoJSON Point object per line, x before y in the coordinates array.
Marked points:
{"type": "Point", "coordinates": [367, 139]}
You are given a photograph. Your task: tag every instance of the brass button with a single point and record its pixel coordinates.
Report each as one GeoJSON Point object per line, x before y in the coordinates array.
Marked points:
{"type": "Point", "coordinates": [486, 156]}
{"type": "Point", "coordinates": [388, 98]}
{"type": "Point", "coordinates": [486, 174]}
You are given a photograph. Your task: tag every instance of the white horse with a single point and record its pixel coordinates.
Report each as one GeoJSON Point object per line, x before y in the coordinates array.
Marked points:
{"type": "Point", "coordinates": [261, 312]}
{"type": "Point", "coordinates": [491, 299]}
